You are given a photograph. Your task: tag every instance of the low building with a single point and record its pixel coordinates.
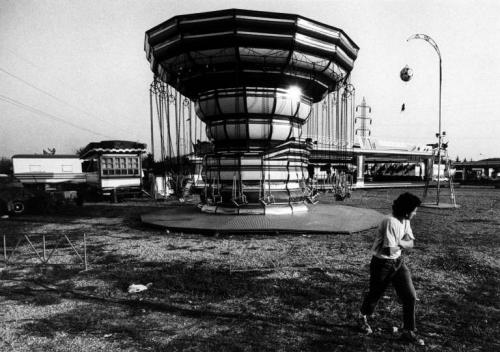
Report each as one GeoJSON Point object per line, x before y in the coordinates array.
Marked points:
{"type": "Point", "coordinates": [480, 170]}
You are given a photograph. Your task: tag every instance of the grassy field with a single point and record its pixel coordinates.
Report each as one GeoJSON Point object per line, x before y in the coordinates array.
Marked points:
{"type": "Point", "coordinates": [247, 293]}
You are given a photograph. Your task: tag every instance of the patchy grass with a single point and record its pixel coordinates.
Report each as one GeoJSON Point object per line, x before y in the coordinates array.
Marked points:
{"type": "Point", "coordinates": [246, 293]}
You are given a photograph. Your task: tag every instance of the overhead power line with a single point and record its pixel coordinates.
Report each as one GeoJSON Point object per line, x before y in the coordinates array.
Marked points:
{"type": "Point", "coordinates": [39, 89]}
{"type": "Point", "coordinates": [46, 114]}
{"type": "Point", "coordinates": [54, 97]}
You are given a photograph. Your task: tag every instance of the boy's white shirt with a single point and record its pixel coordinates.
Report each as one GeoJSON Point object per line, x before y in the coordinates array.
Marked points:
{"type": "Point", "coordinates": [389, 234]}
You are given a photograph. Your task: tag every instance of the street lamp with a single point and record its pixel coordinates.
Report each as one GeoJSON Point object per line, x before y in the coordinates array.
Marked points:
{"type": "Point", "coordinates": [440, 134]}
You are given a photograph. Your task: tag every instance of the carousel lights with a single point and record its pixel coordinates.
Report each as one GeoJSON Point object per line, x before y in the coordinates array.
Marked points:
{"type": "Point", "coordinates": [294, 93]}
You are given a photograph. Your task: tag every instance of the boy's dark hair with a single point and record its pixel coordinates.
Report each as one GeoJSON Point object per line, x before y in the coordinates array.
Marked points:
{"type": "Point", "coordinates": [405, 204]}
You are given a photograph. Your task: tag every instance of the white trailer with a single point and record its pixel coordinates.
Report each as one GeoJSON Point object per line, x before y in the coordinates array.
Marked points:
{"type": "Point", "coordinates": [47, 169]}
{"type": "Point", "coordinates": [53, 177]}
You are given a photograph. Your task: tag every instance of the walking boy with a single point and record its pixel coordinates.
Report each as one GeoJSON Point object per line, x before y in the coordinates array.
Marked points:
{"type": "Point", "coordinates": [387, 265]}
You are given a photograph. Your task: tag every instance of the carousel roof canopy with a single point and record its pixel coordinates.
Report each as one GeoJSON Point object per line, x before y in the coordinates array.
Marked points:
{"type": "Point", "coordinates": [199, 52]}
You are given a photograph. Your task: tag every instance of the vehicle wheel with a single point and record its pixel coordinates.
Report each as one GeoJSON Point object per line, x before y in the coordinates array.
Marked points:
{"type": "Point", "coordinates": [17, 207]}
{"type": "Point", "coordinates": [3, 208]}
{"type": "Point", "coordinates": [80, 197]}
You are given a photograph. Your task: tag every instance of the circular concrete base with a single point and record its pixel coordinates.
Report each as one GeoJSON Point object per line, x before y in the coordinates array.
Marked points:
{"type": "Point", "coordinates": [440, 205]}
{"type": "Point", "coordinates": [320, 218]}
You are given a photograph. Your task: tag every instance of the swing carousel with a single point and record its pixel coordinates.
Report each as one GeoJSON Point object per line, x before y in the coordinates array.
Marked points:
{"type": "Point", "coordinates": [267, 89]}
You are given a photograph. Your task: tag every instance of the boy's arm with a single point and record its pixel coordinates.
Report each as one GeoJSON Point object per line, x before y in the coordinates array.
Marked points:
{"type": "Point", "coordinates": [408, 232]}
{"type": "Point", "coordinates": [390, 243]}
{"type": "Point", "coordinates": [406, 244]}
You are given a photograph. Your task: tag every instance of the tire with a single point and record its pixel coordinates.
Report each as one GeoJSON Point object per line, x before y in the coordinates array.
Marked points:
{"type": "Point", "coordinates": [17, 207]}
{"type": "Point", "coordinates": [80, 198]}
{"type": "Point", "coordinates": [3, 208]}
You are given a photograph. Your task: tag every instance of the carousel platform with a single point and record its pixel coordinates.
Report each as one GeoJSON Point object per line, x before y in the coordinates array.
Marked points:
{"type": "Point", "coordinates": [319, 218]}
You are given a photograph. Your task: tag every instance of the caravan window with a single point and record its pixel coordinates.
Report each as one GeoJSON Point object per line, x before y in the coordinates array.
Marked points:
{"type": "Point", "coordinates": [120, 165]}
{"type": "Point", "coordinates": [67, 168]}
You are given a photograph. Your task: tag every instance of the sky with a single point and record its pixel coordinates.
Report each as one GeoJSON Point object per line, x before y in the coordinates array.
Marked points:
{"type": "Point", "coordinates": [75, 72]}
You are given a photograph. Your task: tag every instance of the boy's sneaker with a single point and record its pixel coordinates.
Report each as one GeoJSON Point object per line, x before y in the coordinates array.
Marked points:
{"type": "Point", "coordinates": [412, 337]}
{"type": "Point", "coordinates": [363, 325]}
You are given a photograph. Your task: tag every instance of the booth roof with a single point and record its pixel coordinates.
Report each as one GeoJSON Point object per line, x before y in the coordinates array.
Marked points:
{"type": "Point", "coordinates": [45, 156]}
{"type": "Point", "coordinates": [116, 146]}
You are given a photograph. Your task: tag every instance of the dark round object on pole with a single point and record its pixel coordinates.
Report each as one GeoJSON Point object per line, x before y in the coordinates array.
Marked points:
{"type": "Point", "coordinates": [406, 74]}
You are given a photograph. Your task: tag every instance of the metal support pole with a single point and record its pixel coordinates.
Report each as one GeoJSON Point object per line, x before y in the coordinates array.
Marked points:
{"type": "Point", "coordinates": [33, 248]}
{"type": "Point", "coordinates": [435, 46]}
{"type": "Point", "coordinates": [151, 88]}
{"type": "Point", "coordinates": [360, 172]}
{"type": "Point", "coordinates": [44, 251]}
{"type": "Point", "coordinates": [5, 249]}
{"type": "Point", "coordinates": [85, 250]}
{"type": "Point", "coordinates": [440, 134]}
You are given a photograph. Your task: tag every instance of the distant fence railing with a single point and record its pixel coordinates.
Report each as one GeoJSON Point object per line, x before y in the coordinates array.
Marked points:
{"type": "Point", "coordinates": [42, 247]}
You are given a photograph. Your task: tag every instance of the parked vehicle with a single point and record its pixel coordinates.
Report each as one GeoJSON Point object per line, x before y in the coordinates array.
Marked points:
{"type": "Point", "coordinates": [13, 196]}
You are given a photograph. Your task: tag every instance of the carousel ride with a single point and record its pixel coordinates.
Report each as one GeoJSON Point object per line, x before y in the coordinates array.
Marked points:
{"type": "Point", "coordinates": [267, 88]}
{"type": "Point", "coordinates": [273, 101]}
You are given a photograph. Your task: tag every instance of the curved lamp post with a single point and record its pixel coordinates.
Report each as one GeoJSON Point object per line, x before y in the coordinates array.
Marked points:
{"type": "Point", "coordinates": [439, 134]}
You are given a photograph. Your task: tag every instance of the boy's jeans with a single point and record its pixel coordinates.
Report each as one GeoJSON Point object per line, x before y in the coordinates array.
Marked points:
{"type": "Point", "coordinates": [382, 273]}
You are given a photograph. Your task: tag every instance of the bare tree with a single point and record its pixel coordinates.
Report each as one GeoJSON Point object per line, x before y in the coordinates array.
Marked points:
{"type": "Point", "coordinates": [5, 165]}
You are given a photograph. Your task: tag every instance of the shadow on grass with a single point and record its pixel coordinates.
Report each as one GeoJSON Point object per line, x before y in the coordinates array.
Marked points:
{"type": "Point", "coordinates": [71, 212]}
{"type": "Point", "coordinates": [466, 315]}
{"type": "Point", "coordinates": [199, 305]}
{"type": "Point", "coordinates": [192, 305]}
{"type": "Point", "coordinates": [145, 330]}
{"type": "Point", "coordinates": [459, 260]}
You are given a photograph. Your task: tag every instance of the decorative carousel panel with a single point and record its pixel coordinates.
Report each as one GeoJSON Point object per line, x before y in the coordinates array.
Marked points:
{"type": "Point", "coordinates": [334, 72]}
{"type": "Point", "coordinates": [309, 62]}
{"type": "Point", "coordinates": [236, 129]}
{"type": "Point", "coordinates": [176, 64]}
{"type": "Point", "coordinates": [296, 133]}
{"type": "Point", "coordinates": [208, 132]}
{"type": "Point", "coordinates": [259, 129]}
{"type": "Point", "coordinates": [282, 130]}
{"type": "Point", "coordinates": [229, 175]}
{"type": "Point", "coordinates": [304, 111]}
{"type": "Point", "coordinates": [275, 186]}
{"type": "Point", "coordinates": [251, 175]}
{"type": "Point", "coordinates": [225, 162]}
{"type": "Point", "coordinates": [216, 132]}
{"type": "Point", "coordinates": [260, 101]}
{"type": "Point", "coordinates": [351, 50]}
{"type": "Point", "coordinates": [264, 57]}
{"type": "Point", "coordinates": [165, 47]}
{"type": "Point", "coordinates": [207, 107]}
{"type": "Point", "coordinates": [231, 104]}
{"type": "Point", "coordinates": [251, 161]}
{"type": "Point", "coordinates": [345, 61]}
{"type": "Point", "coordinates": [329, 33]}
{"type": "Point", "coordinates": [286, 106]}
{"type": "Point", "coordinates": [213, 56]}
{"type": "Point", "coordinates": [314, 27]}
